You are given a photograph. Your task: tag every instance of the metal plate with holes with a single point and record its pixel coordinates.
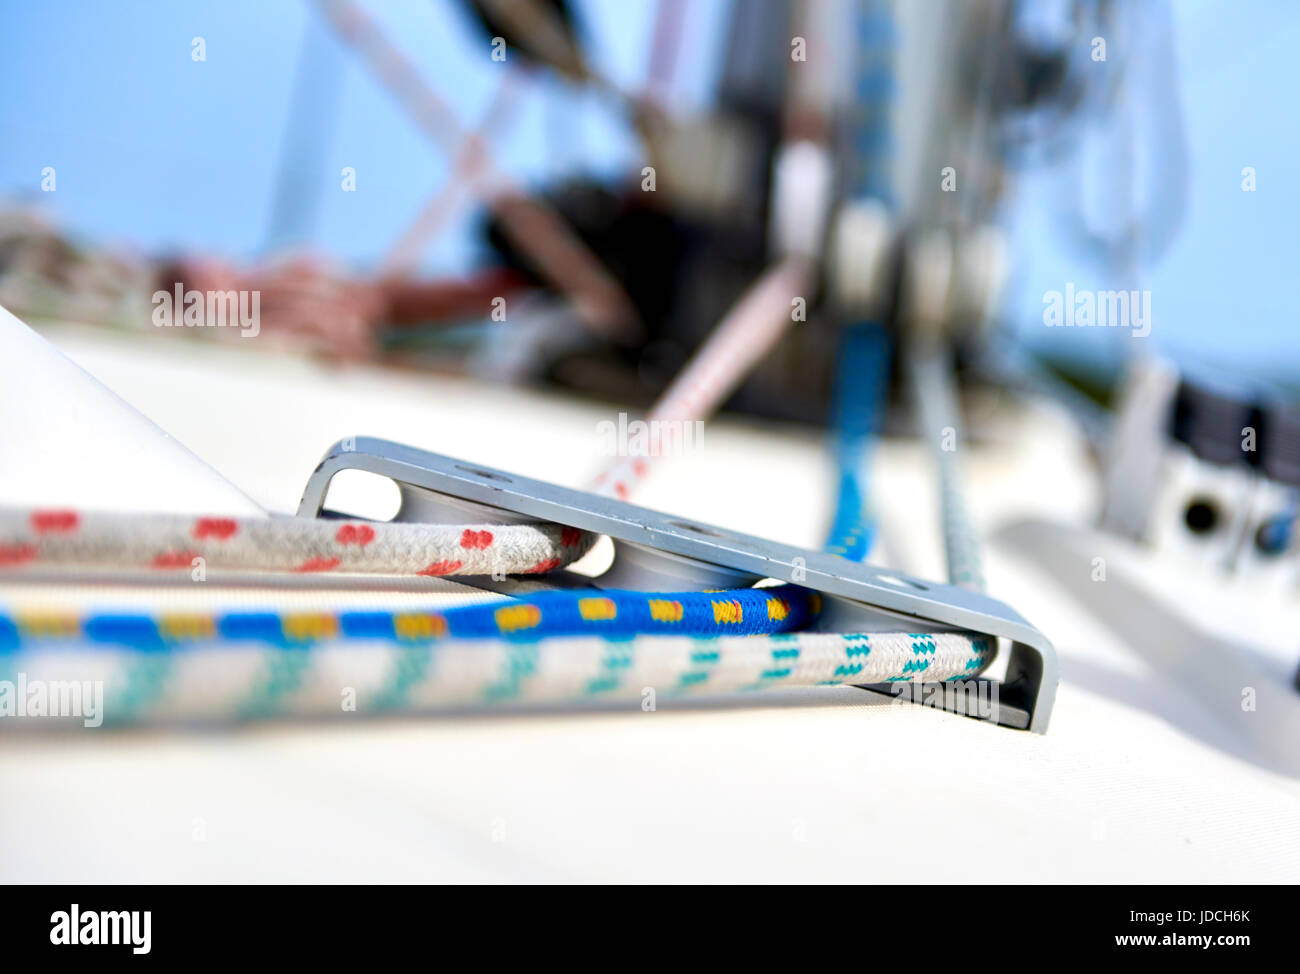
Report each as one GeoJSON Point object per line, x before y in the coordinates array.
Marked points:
{"type": "Point", "coordinates": [1025, 696]}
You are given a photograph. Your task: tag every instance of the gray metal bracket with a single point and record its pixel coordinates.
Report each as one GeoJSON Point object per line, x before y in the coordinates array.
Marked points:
{"type": "Point", "coordinates": [859, 593]}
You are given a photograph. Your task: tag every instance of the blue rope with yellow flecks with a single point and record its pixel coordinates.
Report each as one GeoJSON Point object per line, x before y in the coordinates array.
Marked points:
{"type": "Point", "coordinates": [612, 614]}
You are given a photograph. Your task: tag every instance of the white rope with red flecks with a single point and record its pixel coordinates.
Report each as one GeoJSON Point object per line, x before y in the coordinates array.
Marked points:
{"type": "Point", "coordinates": [71, 540]}
{"type": "Point", "coordinates": [748, 332]}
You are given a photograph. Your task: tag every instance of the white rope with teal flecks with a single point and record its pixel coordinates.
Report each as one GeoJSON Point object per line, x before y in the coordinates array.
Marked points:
{"type": "Point", "coordinates": [214, 680]}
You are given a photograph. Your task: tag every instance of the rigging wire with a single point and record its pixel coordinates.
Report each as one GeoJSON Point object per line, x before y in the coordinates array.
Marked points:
{"type": "Point", "coordinates": [532, 226]}
{"type": "Point", "coordinates": [464, 179]}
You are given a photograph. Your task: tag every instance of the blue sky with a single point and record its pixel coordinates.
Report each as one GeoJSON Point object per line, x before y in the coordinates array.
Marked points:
{"type": "Point", "coordinates": [1222, 294]}
{"type": "Point", "coordinates": [159, 152]}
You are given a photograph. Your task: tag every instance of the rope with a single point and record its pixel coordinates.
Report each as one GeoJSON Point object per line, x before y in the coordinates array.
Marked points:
{"type": "Point", "coordinates": [69, 540]}
{"type": "Point", "coordinates": [748, 332]}
{"type": "Point", "coordinates": [861, 381]}
{"type": "Point", "coordinates": [549, 648]}
{"type": "Point", "coordinates": [611, 614]}
{"type": "Point", "coordinates": [864, 350]}
{"type": "Point", "coordinates": [940, 418]}
{"type": "Point", "coordinates": [202, 679]}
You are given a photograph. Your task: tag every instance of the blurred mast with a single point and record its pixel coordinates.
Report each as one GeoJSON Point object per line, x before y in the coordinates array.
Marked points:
{"type": "Point", "coordinates": [313, 111]}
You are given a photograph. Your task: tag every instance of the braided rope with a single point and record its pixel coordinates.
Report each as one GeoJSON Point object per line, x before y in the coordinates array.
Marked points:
{"type": "Point", "coordinates": [610, 614]}
{"type": "Point", "coordinates": [861, 381]}
{"type": "Point", "coordinates": [207, 680]}
{"type": "Point", "coordinates": [71, 540]}
{"type": "Point", "coordinates": [936, 399]}
{"type": "Point", "coordinates": [745, 335]}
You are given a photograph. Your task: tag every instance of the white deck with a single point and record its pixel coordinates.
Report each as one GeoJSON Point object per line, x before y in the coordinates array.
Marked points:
{"type": "Point", "coordinates": [1137, 780]}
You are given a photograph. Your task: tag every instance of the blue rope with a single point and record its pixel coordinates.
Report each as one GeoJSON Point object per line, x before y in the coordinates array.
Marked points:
{"type": "Point", "coordinates": [609, 614]}
{"type": "Point", "coordinates": [862, 375]}
{"type": "Point", "coordinates": [874, 90]}
{"type": "Point", "coordinates": [862, 366]}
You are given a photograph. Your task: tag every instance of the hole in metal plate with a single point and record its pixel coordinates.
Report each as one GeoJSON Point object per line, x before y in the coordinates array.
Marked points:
{"type": "Point", "coordinates": [362, 494]}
